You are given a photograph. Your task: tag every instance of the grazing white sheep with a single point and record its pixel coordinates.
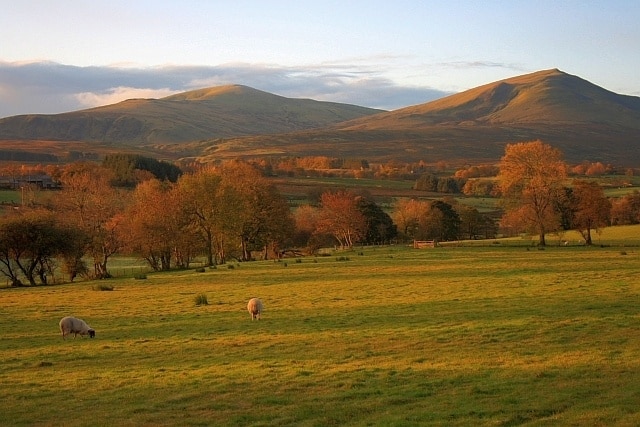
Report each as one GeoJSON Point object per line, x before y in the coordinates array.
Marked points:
{"type": "Point", "coordinates": [71, 325]}
{"type": "Point", "coordinates": [255, 307]}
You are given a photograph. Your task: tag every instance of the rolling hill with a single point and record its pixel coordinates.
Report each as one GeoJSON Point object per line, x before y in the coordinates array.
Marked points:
{"type": "Point", "coordinates": [218, 112]}
{"type": "Point", "coordinates": [585, 121]}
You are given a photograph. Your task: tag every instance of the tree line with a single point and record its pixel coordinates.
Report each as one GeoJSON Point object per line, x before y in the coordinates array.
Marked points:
{"type": "Point", "coordinates": [232, 211]}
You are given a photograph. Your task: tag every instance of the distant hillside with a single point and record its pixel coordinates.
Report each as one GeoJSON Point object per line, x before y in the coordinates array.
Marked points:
{"type": "Point", "coordinates": [549, 97]}
{"type": "Point", "coordinates": [218, 112]}
{"type": "Point", "coordinates": [585, 121]}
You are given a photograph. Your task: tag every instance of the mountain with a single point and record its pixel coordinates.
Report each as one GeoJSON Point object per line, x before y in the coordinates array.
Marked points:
{"type": "Point", "coordinates": [549, 97]}
{"type": "Point", "coordinates": [217, 112]}
{"type": "Point", "coordinates": [584, 120]}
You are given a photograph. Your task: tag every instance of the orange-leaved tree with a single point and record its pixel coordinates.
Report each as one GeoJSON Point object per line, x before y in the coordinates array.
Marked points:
{"type": "Point", "coordinates": [207, 205]}
{"type": "Point", "coordinates": [340, 217]}
{"type": "Point", "coordinates": [591, 210]}
{"type": "Point", "coordinates": [157, 228]}
{"type": "Point", "coordinates": [89, 202]}
{"type": "Point", "coordinates": [261, 214]}
{"type": "Point", "coordinates": [531, 184]}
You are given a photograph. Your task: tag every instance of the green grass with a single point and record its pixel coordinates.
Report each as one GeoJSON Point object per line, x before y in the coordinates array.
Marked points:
{"type": "Point", "coordinates": [9, 196]}
{"type": "Point", "coordinates": [487, 335]}
{"type": "Point", "coordinates": [345, 182]}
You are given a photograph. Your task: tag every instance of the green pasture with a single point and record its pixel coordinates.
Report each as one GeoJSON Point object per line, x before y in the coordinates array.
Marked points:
{"type": "Point", "coordinates": [9, 196]}
{"type": "Point", "coordinates": [501, 334]}
{"type": "Point", "coordinates": [353, 183]}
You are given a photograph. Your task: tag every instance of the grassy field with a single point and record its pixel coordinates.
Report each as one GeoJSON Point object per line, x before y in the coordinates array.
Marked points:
{"type": "Point", "coordinates": [501, 334]}
{"type": "Point", "coordinates": [9, 196]}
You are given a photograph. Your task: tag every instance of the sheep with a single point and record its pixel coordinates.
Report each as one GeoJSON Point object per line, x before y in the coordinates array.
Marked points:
{"type": "Point", "coordinates": [255, 307]}
{"type": "Point", "coordinates": [71, 325]}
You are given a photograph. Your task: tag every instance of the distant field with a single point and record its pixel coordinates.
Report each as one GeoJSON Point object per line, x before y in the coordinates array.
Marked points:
{"type": "Point", "coordinates": [9, 196]}
{"type": "Point", "coordinates": [386, 190]}
{"type": "Point", "coordinates": [500, 334]}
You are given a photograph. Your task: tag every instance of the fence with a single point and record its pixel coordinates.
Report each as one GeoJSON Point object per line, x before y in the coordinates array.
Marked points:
{"type": "Point", "coordinates": [421, 244]}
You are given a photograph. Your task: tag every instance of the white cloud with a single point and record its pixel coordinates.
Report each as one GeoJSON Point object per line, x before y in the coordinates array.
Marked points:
{"type": "Point", "coordinates": [47, 87]}
{"type": "Point", "coordinates": [118, 94]}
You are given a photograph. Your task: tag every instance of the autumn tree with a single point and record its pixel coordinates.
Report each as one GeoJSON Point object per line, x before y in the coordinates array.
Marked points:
{"type": "Point", "coordinates": [235, 211]}
{"type": "Point", "coordinates": [88, 201]}
{"type": "Point", "coordinates": [306, 218]}
{"type": "Point", "coordinates": [591, 210]}
{"type": "Point", "coordinates": [427, 182]}
{"type": "Point", "coordinates": [626, 210]}
{"type": "Point", "coordinates": [156, 228]}
{"type": "Point", "coordinates": [530, 182]}
{"type": "Point", "coordinates": [408, 215]}
{"type": "Point", "coordinates": [340, 217]}
{"type": "Point", "coordinates": [260, 213]}
{"type": "Point", "coordinates": [205, 203]}
{"type": "Point", "coordinates": [478, 187]}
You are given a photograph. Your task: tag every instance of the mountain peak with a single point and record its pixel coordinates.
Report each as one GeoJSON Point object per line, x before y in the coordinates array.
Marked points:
{"type": "Point", "coordinates": [548, 96]}
{"type": "Point", "coordinates": [208, 93]}
{"type": "Point", "coordinates": [206, 113]}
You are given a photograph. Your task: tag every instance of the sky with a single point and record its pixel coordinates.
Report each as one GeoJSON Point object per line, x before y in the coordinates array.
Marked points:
{"type": "Point", "coordinates": [59, 56]}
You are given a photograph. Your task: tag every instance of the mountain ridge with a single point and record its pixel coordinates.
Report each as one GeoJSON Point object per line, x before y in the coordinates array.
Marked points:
{"type": "Point", "coordinates": [539, 97]}
{"type": "Point", "coordinates": [218, 112]}
{"type": "Point", "coordinates": [585, 121]}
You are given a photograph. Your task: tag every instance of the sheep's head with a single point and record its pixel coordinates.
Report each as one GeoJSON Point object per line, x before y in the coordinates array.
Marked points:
{"type": "Point", "coordinates": [92, 333]}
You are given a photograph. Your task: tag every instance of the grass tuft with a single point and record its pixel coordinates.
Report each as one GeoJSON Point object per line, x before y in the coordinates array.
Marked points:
{"type": "Point", "coordinates": [201, 300]}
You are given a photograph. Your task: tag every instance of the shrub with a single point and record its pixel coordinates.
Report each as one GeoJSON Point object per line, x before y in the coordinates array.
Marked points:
{"type": "Point", "coordinates": [103, 287]}
{"type": "Point", "coordinates": [201, 300]}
